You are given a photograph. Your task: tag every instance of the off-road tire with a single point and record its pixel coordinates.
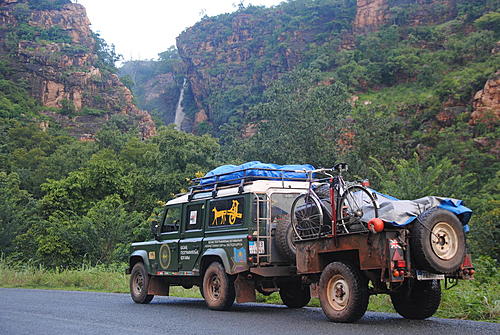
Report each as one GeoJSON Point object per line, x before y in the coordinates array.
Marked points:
{"type": "Point", "coordinates": [139, 283]}
{"type": "Point", "coordinates": [295, 295]}
{"type": "Point", "coordinates": [425, 252]}
{"type": "Point", "coordinates": [343, 292]}
{"type": "Point", "coordinates": [417, 300]}
{"type": "Point", "coordinates": [285, 240]}
{"type": "Point", "coordinates": [218, 287]}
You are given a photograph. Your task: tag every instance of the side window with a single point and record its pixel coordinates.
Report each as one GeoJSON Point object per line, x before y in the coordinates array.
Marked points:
{"type": "Point", "coordinates": [281, 205]}
{"type": "Point", "coordinates": [194, 216]}
{"type": "Point", "coordinates": [172, 219]}
{"type": "Point", "coordinates": [226, 212]}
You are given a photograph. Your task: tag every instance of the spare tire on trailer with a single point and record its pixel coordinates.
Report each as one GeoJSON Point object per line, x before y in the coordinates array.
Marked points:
{"type": "Point", "coordinates": [437, 241]}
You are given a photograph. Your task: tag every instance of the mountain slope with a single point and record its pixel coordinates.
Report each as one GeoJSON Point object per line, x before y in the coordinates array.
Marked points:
{"type": "Point", "coordinates": [65, 66]}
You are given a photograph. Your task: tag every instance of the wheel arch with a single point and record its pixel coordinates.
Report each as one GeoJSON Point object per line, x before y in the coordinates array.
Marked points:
{"type": "Point", "coordinates": [136, 257]}
{"type": "Point", "coordinates": [347, 256]}
{"type": "Point", "coordinates": [214, 255]}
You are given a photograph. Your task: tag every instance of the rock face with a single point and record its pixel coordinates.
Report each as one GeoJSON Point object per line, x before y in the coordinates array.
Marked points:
{"type": "Point", "coordinates": [370, 15]}
{"type": "Point", "coordinates": [486, 103]}
{"type": "Point", "coordinates": [60, 63]}
{"type": "Point", "coordinates": [232, 58]}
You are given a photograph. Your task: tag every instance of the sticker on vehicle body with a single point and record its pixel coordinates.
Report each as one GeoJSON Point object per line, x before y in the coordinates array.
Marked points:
{"type": "Point", "coordinates": [240, 255]}
{"type": "Point", "coordinates": [165, 256]}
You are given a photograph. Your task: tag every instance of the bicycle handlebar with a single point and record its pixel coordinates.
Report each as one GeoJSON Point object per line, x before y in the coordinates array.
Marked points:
{"type": "Point", "coordinates": [337, 167]}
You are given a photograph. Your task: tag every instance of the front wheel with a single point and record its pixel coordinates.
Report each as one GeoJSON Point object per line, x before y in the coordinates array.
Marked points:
{"type": "Point", "coordinates": [218, 288]}
{"type": "Point", "coordinates": [417, 300]}
{"type": "Point", "coordinates": [306, 217]}
{"type": "Point", "coordinates": [139, 283]}
{"type": "Point", "coordinates": [343, 292]}
{"type": "Point", "coordinates": [356, 207]}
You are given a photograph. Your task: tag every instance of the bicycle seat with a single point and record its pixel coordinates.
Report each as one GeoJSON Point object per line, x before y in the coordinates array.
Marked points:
{"type": "Point", "coordinates": [340, 167]}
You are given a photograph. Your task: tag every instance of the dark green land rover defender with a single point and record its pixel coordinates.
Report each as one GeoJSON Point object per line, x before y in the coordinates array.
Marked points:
{"type": "Point", "coordinates": [228, 240]}
{"type": "Point", "coordinates": [341, 244]}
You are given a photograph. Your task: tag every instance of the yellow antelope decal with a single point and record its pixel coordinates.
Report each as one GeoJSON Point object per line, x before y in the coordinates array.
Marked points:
{"type": "Point", "coordinates": [231, 213]}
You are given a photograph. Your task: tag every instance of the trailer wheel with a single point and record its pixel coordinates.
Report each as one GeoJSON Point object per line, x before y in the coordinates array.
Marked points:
{"type": "Point", "coordinates": [343, 292]}
{"type": "Point", "coordinates": [218, 288]}
{"type": "Point", "coordinates": [139, 283]}
{"type": "Point", "coordinates": [417, 300]}
{"type": "Point", "coordinates": [295, 295]}
{"type": "Point", "coordinates": [285, 240]}
{"type": "Point", "coordinates": [438, 241]}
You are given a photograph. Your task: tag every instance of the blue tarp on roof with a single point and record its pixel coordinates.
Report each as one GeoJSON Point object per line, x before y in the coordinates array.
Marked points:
{"type": "Point", "coordinates": [231, 174]}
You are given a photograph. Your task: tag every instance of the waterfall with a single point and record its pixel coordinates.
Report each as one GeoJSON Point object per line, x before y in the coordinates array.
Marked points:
{"type": "Point", "coordinates": [179, 111]}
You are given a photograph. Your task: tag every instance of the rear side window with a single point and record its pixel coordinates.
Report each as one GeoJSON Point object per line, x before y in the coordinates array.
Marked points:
{"type": "Point", "coordinates": [226, 212]}
{"type": "Point", "coordinates": [194, 216]}
{"type": "Point", "coordinates": [172, 220]}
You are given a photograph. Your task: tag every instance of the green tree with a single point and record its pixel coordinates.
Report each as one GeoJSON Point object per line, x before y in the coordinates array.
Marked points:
{"type": "Point", "coordinates": [415, 178]}
{"type": "Point", "coordinates": [300, 121]}
{"type": "Point", "coordinates": [17, 210]}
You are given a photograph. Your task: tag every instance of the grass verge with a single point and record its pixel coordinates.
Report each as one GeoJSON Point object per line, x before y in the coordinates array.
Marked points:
{"type": "Point", "coordinates": [473, 300]}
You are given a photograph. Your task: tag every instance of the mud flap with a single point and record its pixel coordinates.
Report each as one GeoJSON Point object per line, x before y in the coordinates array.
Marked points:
{"type": "Point", "coordinates": [245, 290]}
{"type": "Point", "coordinates": [158, 286]}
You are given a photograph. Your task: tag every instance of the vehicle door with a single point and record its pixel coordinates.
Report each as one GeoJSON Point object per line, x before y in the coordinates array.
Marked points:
{"type": "Point", "coordinates": [190, 244]}
{"type": "Point", "coordinates": [168, 258]}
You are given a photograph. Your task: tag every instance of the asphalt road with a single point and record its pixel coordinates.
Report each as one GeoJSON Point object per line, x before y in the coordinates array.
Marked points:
{"type": "Point", "coordinates": [65, 312]}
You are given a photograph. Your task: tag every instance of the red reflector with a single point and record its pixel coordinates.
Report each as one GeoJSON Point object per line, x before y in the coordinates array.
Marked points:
{"type": "Point", "coordinates": [365, 183]}
{"type": "Point", "coordinates": [401, 264]}
{"type": "Point", "coordinates": [395, 273]}
{"type": "Point", "coordinates": [375, 225]}
{"type": "Point", "coordinates": [250, 237]}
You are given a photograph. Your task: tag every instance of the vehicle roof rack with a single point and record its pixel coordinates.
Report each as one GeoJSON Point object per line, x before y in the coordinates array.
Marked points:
{"type": "Point", "coordinates": [241, 178]}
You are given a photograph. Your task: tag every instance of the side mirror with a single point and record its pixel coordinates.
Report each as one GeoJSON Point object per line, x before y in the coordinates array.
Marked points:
{"type": "Point", "coordinates": [155, 227]}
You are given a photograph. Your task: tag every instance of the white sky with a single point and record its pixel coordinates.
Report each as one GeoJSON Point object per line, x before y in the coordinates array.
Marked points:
{"type": "Point", "coordinates": [142, 29]}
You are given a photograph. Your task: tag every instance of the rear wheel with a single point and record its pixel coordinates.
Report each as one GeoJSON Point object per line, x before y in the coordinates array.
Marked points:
{"type": "Point", "coordinates": [343, 292]}
{"type": "Point", "coordinates": [295, 295]}
{"type": "Point", "coordinates": [218, 288]}
{"type": "Point", "coordinates": [306, 217]}
{"type": "Point", "coordinates": [438, 241]}
{"type": "Point", "coordinates": [417, 300]}
{"type": "Point", "coordinates": [356, 207]}
{"type": "Point", "coordinates": [139, 283]}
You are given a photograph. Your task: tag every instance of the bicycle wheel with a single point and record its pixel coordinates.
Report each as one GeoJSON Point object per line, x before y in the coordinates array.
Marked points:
{"type": "Point", "coordinates": [356, 208]}
{"type": "Point", "coordinates": [307, 217]}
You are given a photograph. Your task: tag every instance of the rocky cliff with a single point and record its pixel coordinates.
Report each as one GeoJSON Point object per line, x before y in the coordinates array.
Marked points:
{"type": "Point", "coordinates": [54, 51]}
{"type": "Point", "coordinates": [232, 58]}
{"type": "Point", "coordinates": [372, 14]}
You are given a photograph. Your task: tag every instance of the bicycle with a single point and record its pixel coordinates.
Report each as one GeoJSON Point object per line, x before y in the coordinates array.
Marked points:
{"type": "Point", "coordinates": [349, 206]}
